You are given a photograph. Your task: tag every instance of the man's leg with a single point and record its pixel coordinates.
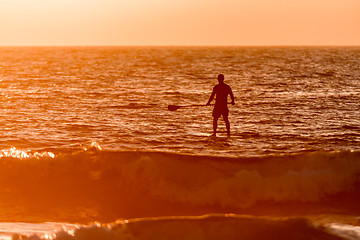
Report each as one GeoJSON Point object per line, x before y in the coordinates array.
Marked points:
{"type": "Point", "coordinates": [226, 119]}
{"type": "Point", "coordinates": [215, 120]}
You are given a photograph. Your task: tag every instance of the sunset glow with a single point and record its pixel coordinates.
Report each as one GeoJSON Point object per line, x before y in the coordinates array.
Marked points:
{"type": "Point", "coordinates": [185, 22]}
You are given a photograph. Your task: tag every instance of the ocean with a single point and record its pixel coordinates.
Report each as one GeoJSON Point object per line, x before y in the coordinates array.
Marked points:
{"type": "Point", "coordinates": [89, 149]}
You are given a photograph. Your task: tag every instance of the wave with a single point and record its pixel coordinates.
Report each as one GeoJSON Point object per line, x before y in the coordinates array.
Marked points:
{"type": "Point", "coordinates": [108, 185]}
{"type": "Point", "coordinates": [200, 227]}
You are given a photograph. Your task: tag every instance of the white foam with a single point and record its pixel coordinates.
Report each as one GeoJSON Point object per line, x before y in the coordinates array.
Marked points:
{"type": "Point", "coordinates": [23, 154]}
{"type": "Point", "coordinates": [19, 230]}
{"type": "Point", "coordinates": [207, 227]}
{"type": "Point", "coordinates": [349, 232]}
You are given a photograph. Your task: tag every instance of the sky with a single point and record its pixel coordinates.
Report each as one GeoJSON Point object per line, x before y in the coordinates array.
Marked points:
{"type": "Point", "coordinates": [179, 22]}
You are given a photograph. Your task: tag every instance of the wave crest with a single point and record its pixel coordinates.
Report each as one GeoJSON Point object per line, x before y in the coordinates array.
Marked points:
{"type": "Point", "coordinates": [21, 154]}
{"type": "Point", "coordinates": [136, 184]}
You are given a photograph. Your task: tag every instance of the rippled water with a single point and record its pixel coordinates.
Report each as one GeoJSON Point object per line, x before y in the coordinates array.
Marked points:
{"type": "Point", "coordinates": [288, 99]}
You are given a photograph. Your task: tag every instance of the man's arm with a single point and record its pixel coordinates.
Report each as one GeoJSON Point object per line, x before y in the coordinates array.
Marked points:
{"type": "Point", "coordinates": [232, 97]}
{"type": "Point", "coordinates": [211, 97]}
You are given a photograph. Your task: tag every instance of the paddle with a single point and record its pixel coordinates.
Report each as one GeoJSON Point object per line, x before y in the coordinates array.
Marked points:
{"type": "Point", "coordinates": [174, 107]}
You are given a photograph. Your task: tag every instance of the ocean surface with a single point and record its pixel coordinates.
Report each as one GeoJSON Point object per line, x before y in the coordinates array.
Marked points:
{"type": "Point", "coordinates": [89, 149]}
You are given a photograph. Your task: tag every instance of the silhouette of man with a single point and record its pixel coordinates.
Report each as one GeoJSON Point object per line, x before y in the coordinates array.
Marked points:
{"type": "Point", "coordinates": [221, 91]}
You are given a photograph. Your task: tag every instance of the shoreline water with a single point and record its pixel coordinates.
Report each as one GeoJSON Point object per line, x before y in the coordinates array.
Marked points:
{"type": "Point", "coordinates": [210, 226]}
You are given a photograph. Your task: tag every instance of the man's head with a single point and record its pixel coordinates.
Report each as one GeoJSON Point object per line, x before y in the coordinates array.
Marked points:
{"type": "Point", "coordinates": [221, 78]}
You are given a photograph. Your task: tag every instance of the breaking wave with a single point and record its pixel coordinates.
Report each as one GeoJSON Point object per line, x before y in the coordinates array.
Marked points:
{"type": "Point", "coordinates": [112, 184]}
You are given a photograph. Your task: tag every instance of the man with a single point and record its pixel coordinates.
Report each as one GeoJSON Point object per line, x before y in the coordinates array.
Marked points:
{"type": "Point", "coordinates": [221, 91]}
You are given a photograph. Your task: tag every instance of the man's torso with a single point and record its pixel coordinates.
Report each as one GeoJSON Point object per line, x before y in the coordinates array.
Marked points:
{"type": "Point", "coordinates": [222, 91]}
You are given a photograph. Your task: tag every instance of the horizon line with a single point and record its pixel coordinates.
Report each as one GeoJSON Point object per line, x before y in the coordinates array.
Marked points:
{"type": "Point", "coordinates": [188, 45]}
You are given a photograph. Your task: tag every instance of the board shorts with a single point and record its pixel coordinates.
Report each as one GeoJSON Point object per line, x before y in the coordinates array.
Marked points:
{"type": "Point", "coordinates": [217, 112]}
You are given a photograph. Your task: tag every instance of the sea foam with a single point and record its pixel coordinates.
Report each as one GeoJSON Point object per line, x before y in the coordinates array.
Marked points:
{"type": "Point", "coordinates": [207, 227]}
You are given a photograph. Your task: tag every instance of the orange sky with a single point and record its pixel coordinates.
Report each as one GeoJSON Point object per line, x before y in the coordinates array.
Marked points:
{"type": "Point", "coordinates": [179, 22]}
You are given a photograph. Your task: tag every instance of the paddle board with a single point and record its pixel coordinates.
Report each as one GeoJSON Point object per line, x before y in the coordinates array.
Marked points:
{"type": "Point", "coordinates": [202, 134]}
